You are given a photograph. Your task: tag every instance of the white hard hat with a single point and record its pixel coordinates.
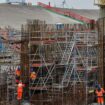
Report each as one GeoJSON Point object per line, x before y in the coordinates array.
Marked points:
{"type": "Point", "coordinates": [34, 73]}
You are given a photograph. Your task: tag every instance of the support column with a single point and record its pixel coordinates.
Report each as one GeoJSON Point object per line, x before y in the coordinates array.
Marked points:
{"type": "Point", "coordinates": [102, 12]}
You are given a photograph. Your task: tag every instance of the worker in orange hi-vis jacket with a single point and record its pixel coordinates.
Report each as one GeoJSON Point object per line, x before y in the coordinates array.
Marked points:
{"type": "Point", "coordinates": [20, 90]}
{"type": "Point", "coordinates": [99, 92]}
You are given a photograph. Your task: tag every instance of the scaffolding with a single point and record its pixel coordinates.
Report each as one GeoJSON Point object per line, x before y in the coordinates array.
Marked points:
{"type": "Point", "coordinates": [9, 60]}
{"type": "Point", "coordinates": [62, 56]}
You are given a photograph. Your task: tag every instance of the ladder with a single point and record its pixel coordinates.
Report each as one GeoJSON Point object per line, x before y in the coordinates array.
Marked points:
{"type": "Point", "coordinates": [67, 74]}
{"type": "Point", "coordinates": [68, 51]}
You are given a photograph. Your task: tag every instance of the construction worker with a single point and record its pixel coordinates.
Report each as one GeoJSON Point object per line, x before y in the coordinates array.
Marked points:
{"type": "Point", "coordinates": [18, 74]}
{"type": "Point", "coordinates": [99, 92]}
{"type": "Point", "coordinates": [20, 90]}
{"type": "Point", "coordinates": [33, 76]}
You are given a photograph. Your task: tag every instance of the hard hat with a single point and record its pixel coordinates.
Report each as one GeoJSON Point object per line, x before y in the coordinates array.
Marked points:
{"type": "Point", "coordinates": [20, 84]}
{"type": "Point", "coordinates": [34, 73]}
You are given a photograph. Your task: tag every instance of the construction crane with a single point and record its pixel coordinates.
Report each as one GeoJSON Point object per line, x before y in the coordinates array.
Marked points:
{"type": "Point", "coordinates": [101, 4]}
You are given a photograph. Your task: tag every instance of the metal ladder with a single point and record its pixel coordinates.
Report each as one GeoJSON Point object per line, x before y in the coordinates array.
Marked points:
{"type": "Point", "coordinates": [67, 74]}
{"type": "Point", "coordinates": [67, 53]}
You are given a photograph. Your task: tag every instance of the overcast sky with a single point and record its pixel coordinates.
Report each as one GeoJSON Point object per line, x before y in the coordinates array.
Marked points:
{"type": "Point", "coordinates": [69, 3]}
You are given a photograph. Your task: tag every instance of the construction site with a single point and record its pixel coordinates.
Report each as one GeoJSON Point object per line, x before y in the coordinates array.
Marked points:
{"type": "Point", "coordinates": [55, 54]}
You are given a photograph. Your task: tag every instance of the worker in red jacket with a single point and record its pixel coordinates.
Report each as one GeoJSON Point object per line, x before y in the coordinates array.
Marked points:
{"type": "Point", "coordinates": [20, 90]}
{"type": "Point", "coordinates": [99, 92]}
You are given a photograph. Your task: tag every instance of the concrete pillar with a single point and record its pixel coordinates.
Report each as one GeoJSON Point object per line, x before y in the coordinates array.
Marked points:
{"type": "Point", "coordinates": [102, 11]}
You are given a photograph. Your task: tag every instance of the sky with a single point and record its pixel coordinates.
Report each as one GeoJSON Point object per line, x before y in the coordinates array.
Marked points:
{"type": "Point", "coordinates": [78, 4]}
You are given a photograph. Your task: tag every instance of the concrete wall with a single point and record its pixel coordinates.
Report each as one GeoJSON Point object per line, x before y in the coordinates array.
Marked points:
{"type": "Point", "coordinates": [102, 12]}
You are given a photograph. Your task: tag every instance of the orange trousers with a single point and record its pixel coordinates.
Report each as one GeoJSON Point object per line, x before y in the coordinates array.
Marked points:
{"type": "Point", "coordinates": [100, 100]}
{"type": "Point", "coordinates": [19, 95]}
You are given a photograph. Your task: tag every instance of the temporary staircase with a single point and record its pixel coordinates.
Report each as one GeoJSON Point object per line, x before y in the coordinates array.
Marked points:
{"type": "Point", "coordinates": [67, 74]}
{"type": "Point", "coordinates": [68, 50]}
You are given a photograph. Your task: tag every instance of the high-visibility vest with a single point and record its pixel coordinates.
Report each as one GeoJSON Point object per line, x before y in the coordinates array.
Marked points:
{"type": "Point", "coordinates": [20, 87]}
{"type": "Point", "coordinates": [100, 93]}
{"type": "Point", "coordinates": [18, 73]}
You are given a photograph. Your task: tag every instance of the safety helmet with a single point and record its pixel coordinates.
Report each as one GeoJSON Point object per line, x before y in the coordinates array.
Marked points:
{"type": "Point", "coordinates": [33, 72]}
{"type": "Point", "coordinates": [20, 85]}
